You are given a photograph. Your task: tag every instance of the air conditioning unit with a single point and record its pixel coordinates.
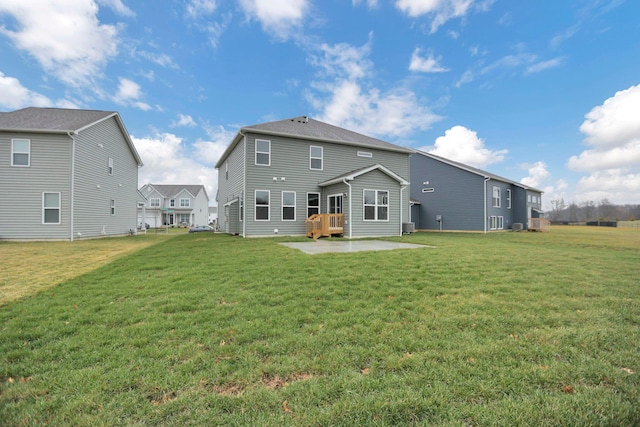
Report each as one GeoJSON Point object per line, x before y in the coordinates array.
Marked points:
{"type": "Point", "coordinates": [408, 227]}
{"type": "Point", "coordinates": [517, 226]}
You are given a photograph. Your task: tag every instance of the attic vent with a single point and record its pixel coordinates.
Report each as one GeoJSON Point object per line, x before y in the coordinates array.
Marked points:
{"type": "Point", "coordinates": [428, 190]}
{"type": "Point", "coordinates": [303, 119]}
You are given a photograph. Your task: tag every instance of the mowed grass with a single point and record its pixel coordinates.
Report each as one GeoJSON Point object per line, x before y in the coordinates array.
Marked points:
{"type": "Point", "coordinates": [499, 329]}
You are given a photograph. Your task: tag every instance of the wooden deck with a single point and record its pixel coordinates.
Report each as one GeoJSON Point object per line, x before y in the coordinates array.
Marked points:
{"type": "Point", "coordinates": [325, 225]}
{"type": "Point", "coordinates": [539, 224]}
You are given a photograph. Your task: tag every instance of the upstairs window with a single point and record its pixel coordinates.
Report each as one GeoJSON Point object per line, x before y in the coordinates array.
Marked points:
{"type": "Point", "coordinates": [313, 204]}
{"type": "Point", "coordinates": [172, 203]}
{"type": "Point", "coordinates": [51, 208]}
{"type": "Point", "coordinates": [185, 203]}
{"type": "Point", "coordinates": [263, 152]}
{"type": "Point", "coordinates": [508, 199]}
{"type": "Point", "coordinates": [110, 166]}
{"type": "Point", "coordinates": [113, 207]}
{"type": "Point", "coordinates": [496, 197]}
{"type": "Point", "coordinates": [20, 152]}
{"type": "Point", "coordinates": [288, 205]}
{"type": "Point", "coordinates": [376, 205]}
{"type": "Point", "coordinates": [226, 170]}
{"type": "Point", "coordinates": [154, 203]}
{"type": "Point", "coordinates": [315, 157]}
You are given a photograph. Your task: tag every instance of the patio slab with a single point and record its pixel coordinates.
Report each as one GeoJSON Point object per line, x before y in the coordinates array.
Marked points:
{"type": "Point", "coordinates": [328, 246]}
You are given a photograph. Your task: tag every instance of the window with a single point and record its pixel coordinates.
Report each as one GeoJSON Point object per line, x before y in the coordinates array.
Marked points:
{"type": "Point", "coordinates": [51, 208]}
{"type": "Point", "coordinates": [262, 205]}
{"type": "Point", "coordinates": [185, 203]}
{"type": "Point", "coordinates": [20, 152]}
{"type": "Point", "coordinates": [313, 204]}
{"type": "Point", "coordinates": [241, 204]}
{"type": "Point", "coordinates": [529, 198]}
{"type": "Point", "coordinates": [172, 203]}
{"type": "Point", "coordinates": [376, 205]}
{"type": "Point", "coordinates": [110, 166]}
{"type": "Point", "coordinates": [496, 197]}
{"type": "Point", "coordinates": [315, 157]}
{"type": "Point", "coordinates": [263, 152]}
{"type": "Point", "coordinates": [183, 219]}
{"type": "Point", "coordinates": [288, 205]}
{"type": "Point", "coordinates": [508, 199]}
{"type": "Point", "coordinates": [496, 223]}
{"type": "Point", "coordinates": [113, 207]}
{"type": "Point", "coordinates": [226, 170]}
{"type": "Point", "coordinates": [365, 154]}
{"type": "Point", "coordinates": [154, 203]}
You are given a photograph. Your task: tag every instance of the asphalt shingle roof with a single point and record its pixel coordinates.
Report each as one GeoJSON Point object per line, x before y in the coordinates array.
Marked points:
{"type": "Point", "coordinates": [170, 191]}
{"type": "Point", "coordinates": [51, 119]}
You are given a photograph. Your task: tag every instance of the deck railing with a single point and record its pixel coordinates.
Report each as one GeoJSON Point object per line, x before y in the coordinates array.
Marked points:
{"type": "Point", "coordinates": [539, 224]}
{"type": "Point", "coordinates": [325, 225]}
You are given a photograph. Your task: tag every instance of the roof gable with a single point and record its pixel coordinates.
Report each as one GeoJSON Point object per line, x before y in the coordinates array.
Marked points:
{"type": "Point", "coordinates": [172, 191]}
{"type": "Point", "coordinates": [350, 176]}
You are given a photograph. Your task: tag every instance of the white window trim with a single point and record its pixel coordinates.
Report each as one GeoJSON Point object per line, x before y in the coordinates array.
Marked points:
{"type": "Point", "coordinates": [255, 204]}
{"type": "Point", "coordinates": [494, 198]}
{"type": "Point", "coordinates": [376, 205]}
{"type": "Point", "coordinates": [110, 166]}
{"type": "Point", "coordinates": [314, 207]}
{"type": "Point", "coordinates": [365, 154]}
{"type": "Point", "coordinates": [151, 205]}
{"type": "Point", "coordinates": [289, 206]}
{"type": "Point", "coordinates": [496, 222]}
{"type": "Point", "coordinates": [262, 152]}
{"type": "Point", "coordinates": [112, 207]}
{"type": "Point", "coordinates": [185, 203]}
{"type": "Point", "coordinates": [311, 147]}
{"type": "Point", "coordinates": [172, 203]}
{"type": "Point", "coordinates": [28, 153]}
{"type": "Point", "coordinates": [59, 208]}
{"type": "Point", "coordinates": [508, 198]}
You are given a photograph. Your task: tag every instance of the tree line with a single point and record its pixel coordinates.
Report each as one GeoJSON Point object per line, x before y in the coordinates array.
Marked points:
{"type": "Point", "coordinates": [591, 211]}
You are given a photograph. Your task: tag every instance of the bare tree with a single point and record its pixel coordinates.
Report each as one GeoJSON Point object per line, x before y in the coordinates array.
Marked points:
{"type": "Point", "coordinates": [588, 208]}
{"type": "Point", "coordinates": [557, 208]}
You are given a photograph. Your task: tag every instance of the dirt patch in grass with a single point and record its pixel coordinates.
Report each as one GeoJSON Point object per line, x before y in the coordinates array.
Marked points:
{"type": "Point", "coordinates": [30, 267]}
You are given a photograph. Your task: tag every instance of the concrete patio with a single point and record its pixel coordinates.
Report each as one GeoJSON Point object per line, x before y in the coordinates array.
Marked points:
{"type": "Point", "coordinates": [322, 246]}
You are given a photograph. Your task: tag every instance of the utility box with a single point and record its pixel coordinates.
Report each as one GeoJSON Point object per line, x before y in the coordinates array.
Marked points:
{"type": "Point", "coordinates": [517, 226]}
{"type": "Point", "coordinates": [438, 218]}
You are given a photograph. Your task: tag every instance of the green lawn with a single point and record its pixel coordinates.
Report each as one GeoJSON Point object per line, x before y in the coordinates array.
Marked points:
{"type": "Point", "coordinates": [499, 329]}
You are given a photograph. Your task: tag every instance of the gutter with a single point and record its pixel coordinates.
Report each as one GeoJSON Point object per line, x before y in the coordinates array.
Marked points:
{"type": "Point", "coordinates": [244, 186]}
{"type": "Point", "coordinates": [486, 179]}
{"type": "Point", "coordinates": [402, 188]}
{"type": "Point", "coordinates": [350, 198]}
{"type": "Point", "coordinates": [73, 179]}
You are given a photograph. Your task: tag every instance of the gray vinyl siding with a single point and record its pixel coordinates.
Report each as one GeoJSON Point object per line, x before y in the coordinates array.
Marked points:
{"type": "Point", "coordinates": [232, 188]}
{"type": "Point", "coordinates": [520, 206]}
{"type": "Point", "coordinates": [503, 210]}
{"type": "Point", "coordinates": [21, 188]}
{"type": "Point", "coordinates": [94, 187]}
{"type": "Point", "coordinates": [290, 160]}
{"type": "Point", "coordinates": [458, 196]}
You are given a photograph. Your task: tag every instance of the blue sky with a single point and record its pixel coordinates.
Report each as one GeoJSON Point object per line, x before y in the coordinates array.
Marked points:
{"type": "Point", "coordinates": [542, 92]}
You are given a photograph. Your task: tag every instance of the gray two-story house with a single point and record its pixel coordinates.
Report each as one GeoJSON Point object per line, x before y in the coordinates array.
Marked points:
{"type": "Point", "coordinates": [174, 205]}
{"type": "Point", "coordinates": [448, 195]}
{"type": "Point", "coordinates": [301, 176]}
{"type": "Point", "coordinates": [66, 174]}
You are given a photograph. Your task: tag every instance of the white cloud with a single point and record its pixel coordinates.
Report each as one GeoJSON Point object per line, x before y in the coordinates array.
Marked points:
{"type": "Point", "coordinates": [14, 96]}
{"type": "Point", "coordinates": [463, 145]}
{"type": "Point", "coordinates": [538, 174]}
{"type": "Point", "coordinates": [429, 64]}
{"type": "Point", "coordinates": [118, 7]}
{"type": "Point", "coordinates": [183, 120]}
{"type": "Point", "coordinates": [198, 8]}
{"type": "Point", "coordinates": [167, 160]}
{"type": "Point", "coordinates": [544, 65]}
{"type": "Point", "coordinates": [277, 17]}
{"type": "Point", "coordinates": [466, 77]}
{"type": "Point", "coordinates": [161, 59]}
{"type": "Point", "coordinates": [345, 97]}
{"type": "Point", "coordinates": [612, 131]}
{"type": "Point", "coordinates": [129, 93]}
{"type": "Point", "coordinates": [372, 4]}
{"type": "Point", "coordinates": [65, 37]}
{"type": "Point", "coordinates": [440, 11]}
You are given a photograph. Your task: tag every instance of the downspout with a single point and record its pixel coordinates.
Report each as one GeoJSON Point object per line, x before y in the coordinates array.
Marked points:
{"type": "Point", "coordinates": [73, 179]}
{"type": "Point", "coordinates": [244, 187]}
{"type": "Point", "coordinates": [402, 188]}
{"type": "Point", "coordinates": [486, 179]}
{"type": "Point", "coordinates": [350, 222]}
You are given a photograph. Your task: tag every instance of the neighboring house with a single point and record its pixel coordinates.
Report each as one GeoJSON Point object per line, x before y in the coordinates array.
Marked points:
{"type": "Point", "coordinates": [448, 195]}
{"type": "Point", "coordinates": [174, 205]}
{"type": "Point", "coordinates": [66, 174]}
{"type": "Point", "coordinates": [213, 214]}
{"type": "Point", "coordinates": [276, 175]}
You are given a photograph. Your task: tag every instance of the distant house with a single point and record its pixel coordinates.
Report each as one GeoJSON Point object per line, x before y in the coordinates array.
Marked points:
{"type": "Point", "coordinates": [174, 205]}
{"type": "Point", "coordinates": [301, 176]}
{"type": "Point", "coordinates": [448, 195]}
{"type": "Point", "coordinates": [213, 214]}
{"type": "Point", "coordinates": [66, 174]}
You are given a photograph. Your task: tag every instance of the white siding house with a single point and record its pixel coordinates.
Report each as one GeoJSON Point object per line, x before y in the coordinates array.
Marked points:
{"type": "Point", "coordinates": [66, 174]}
{"type": "Point", "coordinates": [174, 205]}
